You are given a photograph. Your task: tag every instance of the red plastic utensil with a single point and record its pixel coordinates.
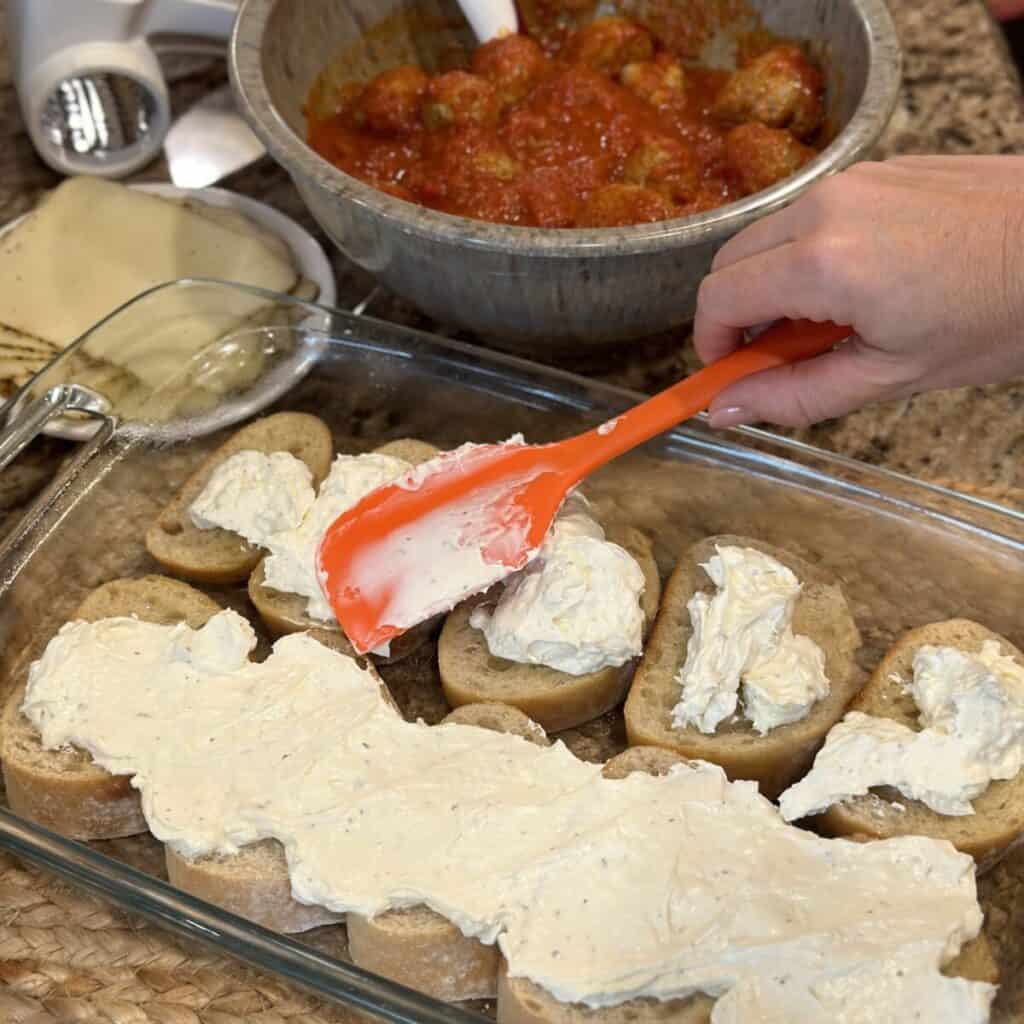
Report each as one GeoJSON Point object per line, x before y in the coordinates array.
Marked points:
{"type": "Point", "coordinates": [470, 518]}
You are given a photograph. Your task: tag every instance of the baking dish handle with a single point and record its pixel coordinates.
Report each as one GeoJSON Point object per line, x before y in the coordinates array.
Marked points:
{"type": "Point", "coordinates": [27, 422]}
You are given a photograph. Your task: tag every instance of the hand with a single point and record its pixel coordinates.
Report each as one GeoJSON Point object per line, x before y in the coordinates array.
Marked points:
{"type": "Point", "coordinates": [922, 256]}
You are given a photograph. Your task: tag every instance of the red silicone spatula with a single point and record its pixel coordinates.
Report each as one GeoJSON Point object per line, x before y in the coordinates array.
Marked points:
{"type": "Point", "coordinates": [466, 520]}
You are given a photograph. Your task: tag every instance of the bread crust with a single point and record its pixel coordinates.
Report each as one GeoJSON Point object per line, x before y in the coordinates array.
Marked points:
{"type": "Point", "coordinates": [222, 556]}
{"type": "Point", "coordinates": [557, 700]}
{"type": "Point", "coordinates": [998, 820]}
{"type": "Point", "coordinates": [784, 754]}
{"type": "Point", "coordinates": [419, 948]}
{"type": "Point", "coordinates": [63, 790]}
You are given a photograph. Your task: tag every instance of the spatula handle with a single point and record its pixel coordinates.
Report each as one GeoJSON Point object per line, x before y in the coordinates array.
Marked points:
{"type": "Point", "coordinates": [789, 341]}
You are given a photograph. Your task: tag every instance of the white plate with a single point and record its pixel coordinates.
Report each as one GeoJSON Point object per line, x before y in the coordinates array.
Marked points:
{"type": "Point", "coordinates": [310, 260]}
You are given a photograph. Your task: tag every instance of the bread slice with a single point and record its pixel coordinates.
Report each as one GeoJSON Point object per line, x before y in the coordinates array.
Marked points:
{"type": "Point", "coordinates": [419, 948]}
{"type": "Point", "coordinates": [286, 613]}
{"type": "Point", "coordinates": [254, 883]}
{"type": "Point", "coordinates": [520, 1001]}
{"type": "Point", "coordinates": [784, 754]}
{"type": "Point", "coordinates": [222, 556]}
{"type": "Point", "coordinates": [998, 817]}
{"type": "Point", "coordinates": [63, 790]}
{"type": "Point", "coordinates": [557, 700]}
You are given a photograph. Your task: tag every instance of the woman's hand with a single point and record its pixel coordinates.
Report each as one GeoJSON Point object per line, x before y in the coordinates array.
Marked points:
{"type": "Point", "coordinates": [922, 256]}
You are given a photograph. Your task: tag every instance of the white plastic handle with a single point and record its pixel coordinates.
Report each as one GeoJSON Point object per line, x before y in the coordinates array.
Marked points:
{"type": "Point", "coordinates": [490, 18]}
{"type": "Point", "coordinates": [53, 41]}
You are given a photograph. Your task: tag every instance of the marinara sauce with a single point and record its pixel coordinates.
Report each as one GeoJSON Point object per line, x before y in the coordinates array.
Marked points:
{"type": "Point", "coordinates": [608, 129]}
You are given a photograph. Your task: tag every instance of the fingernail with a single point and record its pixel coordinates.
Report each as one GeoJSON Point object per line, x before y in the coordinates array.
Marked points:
{"type": "Point", "coordinates": [730, 416]}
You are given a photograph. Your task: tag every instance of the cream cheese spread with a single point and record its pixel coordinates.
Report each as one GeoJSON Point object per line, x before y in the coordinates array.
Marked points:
{"type": "Point", "coordinates": [575, 607]}
{"type": "Point", "coordinates": [598, 890]}
{"type": "Point", "coordinates": [742, 640]}
{"type": "Point", "coordinates": [972, 732]}
{"type": "Point", "coordinates": [291, 565]}
{"type": "Point", "coordinates": [255, 495]}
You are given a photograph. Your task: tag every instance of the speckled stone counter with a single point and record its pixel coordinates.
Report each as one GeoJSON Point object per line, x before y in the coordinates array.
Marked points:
{"type": "Point", "coordinates": [961, 94]}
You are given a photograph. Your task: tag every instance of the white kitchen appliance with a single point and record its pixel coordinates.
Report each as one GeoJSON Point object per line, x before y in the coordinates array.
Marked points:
{"type": "Point", "coordinates": [91, 89]}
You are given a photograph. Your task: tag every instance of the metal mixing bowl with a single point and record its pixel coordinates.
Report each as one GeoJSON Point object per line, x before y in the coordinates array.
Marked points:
{"type": "Point", "coordinates": [535, 290]}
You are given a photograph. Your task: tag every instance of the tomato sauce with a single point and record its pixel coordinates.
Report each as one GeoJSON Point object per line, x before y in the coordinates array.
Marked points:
{"type": "Point", "coordinates": [605, 129]}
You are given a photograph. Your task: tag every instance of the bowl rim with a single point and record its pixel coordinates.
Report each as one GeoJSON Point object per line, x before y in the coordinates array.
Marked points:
{"type": "Point", "coordinates": [873, 111]}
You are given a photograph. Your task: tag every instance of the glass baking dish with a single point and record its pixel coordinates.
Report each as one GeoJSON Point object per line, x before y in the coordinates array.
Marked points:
{"type": "Point", "coordinates": [907, 553]}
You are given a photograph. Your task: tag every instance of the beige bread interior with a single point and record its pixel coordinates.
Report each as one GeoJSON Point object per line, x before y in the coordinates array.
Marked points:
{"type": "Point", "coordinates": [222, 556]}
{"type": "Point", "coordinates": [557, 700]}
{"type": "Point", "coordinates": [998, 817]}
{"type": "Point", "coordinates": [419, 948]}
{"type": "Point", "coordinates": [784, 754]}
{"type": "Point", "coordinates": [284, 613]}
{"type": "Point", "coordinates": [63, 790]}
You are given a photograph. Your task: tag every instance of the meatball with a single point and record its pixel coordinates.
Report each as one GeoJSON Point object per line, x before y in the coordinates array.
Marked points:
{"type": "Point", "coordinates": [608, 45]}
{"type": "Point", "coordinates": [759, 156]}
{"type": "Point", "coordinates": [660, 82]}
{"type": "Point", "coordinates": [459, 99]}
{"type": "Point", "coordinates": [390, 103]}
{"type": "Point", "coordinates": [513, 64]}
{"type": "Point", "coordinates": [621, 204]}
{"type": "Point", "coordinates": [780, 89]}
{"type": "Point", "coordinates": [665, 165]}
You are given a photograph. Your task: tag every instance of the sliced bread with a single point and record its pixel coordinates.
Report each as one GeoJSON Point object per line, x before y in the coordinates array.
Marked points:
{"type": "Point", "coordinates": [557, 700]}
{"type": "Point", "coordinates": [63, 790]}
{"type": "Point", "coordinates": [254, 883]}
{"type": "Point", "coordinates": [222, 556]}
{"type": "Point", "coordinates": [419, 948]}
{"type": "Point", "coordinates": [784, 754]}
{"type": "Point", "coordinates": [286, 613]}
{"type": "Point", "coordinates": [998, 817]}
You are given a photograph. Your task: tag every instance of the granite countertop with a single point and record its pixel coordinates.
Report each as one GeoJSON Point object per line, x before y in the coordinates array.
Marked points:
{"type": "Point", "coordinates": [961, 94]}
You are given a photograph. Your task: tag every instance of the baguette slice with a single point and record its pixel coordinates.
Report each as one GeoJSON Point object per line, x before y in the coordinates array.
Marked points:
{"type": "Point", "coordinates": [998, 817]}
{"type": "Point", "coordinates": [63, 790]}
{"type": "Point", "coordinates": [557, 700]}
{"type": "Point", "coordinates": [785, 753]}
{"type": "Point", "coordinates": [419, 948]}
{"type": "Point", "coordinates": [254, 883]}
{"type": "Point", "coordinates": [286, 613]}
{"type": "Point", "coordinates": [520, 1001]}
{"type": "Point", "coordinates": [222, 556]}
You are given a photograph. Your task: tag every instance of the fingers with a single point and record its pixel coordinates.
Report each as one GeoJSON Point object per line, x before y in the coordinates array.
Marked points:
{"type": "Point", "coordinates": [768, 233]}
{"type": "Point", "coordinates": [819, 389]}
{"type": "Point", "coordinates": [799, 280]}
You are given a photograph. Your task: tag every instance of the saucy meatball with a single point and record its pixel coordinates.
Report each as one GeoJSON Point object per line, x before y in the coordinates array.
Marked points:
{"type": "Point", "coordinates": [665, 165]}
{"type": "Point", "coordinates": [780, 89]}
{"type": "Point", "coordinates": [660, 82]}
{"type": "Point", "coordinates": [513, 64]}
{"type": "Point", "coordinates": [608, 45]}
{"type": "Point", "coordinates": [621, 204]}
{"type": "Point", "coordinates": [760, 156]}
{"type": "Point", "coordinates": [390, 103]}
{"type": "Point", "coordinates": [459, 99]}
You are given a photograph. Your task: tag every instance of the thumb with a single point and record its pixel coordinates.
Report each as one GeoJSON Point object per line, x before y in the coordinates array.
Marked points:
{"type": "Point", "coordinates": [822, 388]}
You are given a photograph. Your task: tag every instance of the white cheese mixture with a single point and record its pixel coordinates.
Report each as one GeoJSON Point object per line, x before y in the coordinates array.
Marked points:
{"type": "Point", "coordinates": [972, 732]}
{"type": "Point", "coordinates": [292, 563]}
{"type": "Point", "coordinates": [598, 890]}
{"type": "Point", "coordinates": [742, 637]}
{"type": "Point", "coordinates": [575, 607]}
{"type": "Point", "coordinates": [255, 495]}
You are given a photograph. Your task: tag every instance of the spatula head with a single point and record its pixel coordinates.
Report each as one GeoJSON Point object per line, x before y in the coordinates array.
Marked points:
{"type": "Point", "coordinates": [446, 530]}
